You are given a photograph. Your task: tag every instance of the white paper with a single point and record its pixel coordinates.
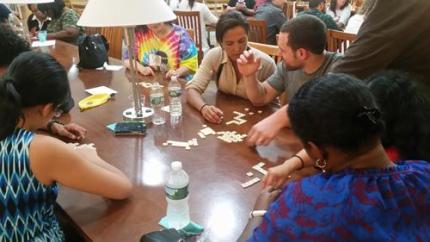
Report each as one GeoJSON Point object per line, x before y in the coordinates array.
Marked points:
{"type": "Point", "coordinates": [101, 89]}
{"type": "Point", "coordinates": [44, 43]}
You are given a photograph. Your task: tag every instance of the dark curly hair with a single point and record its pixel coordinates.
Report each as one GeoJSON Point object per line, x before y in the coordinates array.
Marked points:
{"type": "Point", "coordinates": [405, 104]}
{"type": "Point", "coordinates": [11, 45]}
{"type": "Point", "coordinates": [55, 7]}
{"type": "Point", "coordinates": [336, 110]}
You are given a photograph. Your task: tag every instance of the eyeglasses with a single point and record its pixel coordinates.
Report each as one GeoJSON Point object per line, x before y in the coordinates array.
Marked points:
{"type": "Point", "coordinates": [58, 111]}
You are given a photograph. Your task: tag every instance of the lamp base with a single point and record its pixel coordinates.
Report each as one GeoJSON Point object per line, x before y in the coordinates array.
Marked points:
{"type": "Point", "coordinates": [130, 115]}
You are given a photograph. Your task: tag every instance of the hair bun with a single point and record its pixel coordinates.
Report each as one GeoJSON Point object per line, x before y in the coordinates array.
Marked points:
{"type": "Point", "coordinates": [371, 114]}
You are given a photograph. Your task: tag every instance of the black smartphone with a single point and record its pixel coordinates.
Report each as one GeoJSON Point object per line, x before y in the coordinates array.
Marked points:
{"type": "Point", "coordinates": [130, 128]}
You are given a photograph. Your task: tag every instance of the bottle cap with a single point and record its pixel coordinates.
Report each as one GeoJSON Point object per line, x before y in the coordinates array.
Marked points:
{"type": "Point", "coordinates": [176, 165]}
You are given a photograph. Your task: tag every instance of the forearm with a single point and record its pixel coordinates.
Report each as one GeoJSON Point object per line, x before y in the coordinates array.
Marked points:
{"type": "Point", "coordinates": [64, 34]}
{"type": "Point", "coordinates": [103, 164]}
{"type": "Point", "coordinates": [282, 117]}
{"type": "Point", "coordinates": [247, 232]}
{"type": "Point", "coordinates": [255, 90]}
{"type": "Point", "coordinates": [194, 98]}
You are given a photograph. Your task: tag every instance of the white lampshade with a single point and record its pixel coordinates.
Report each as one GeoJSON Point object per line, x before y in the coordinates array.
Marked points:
{"type": "Point", "coordinates": [25, 1]}
{"type": "Point", "coordinates": [111, 13]}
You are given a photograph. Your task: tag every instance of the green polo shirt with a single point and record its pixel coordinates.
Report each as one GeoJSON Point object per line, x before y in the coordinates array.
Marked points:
{"type": "Point", "coordinates": [327, 19]}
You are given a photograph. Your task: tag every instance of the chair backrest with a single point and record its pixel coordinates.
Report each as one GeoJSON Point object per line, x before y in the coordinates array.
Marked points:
{"type": "Point", "coordinates": [270, 50]}
{"type": "Point", "coordinates": [191, 20]}
{"type": "Point", "coordinates": [338, 41]}
{"type": "Point", "coordinates": [257, 30]}
{"type": "Point", "coordinates": [114, 37]}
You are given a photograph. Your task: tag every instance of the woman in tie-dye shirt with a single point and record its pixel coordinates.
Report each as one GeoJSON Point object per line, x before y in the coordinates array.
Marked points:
{"type": "Point", "coordinates": [165, 40]}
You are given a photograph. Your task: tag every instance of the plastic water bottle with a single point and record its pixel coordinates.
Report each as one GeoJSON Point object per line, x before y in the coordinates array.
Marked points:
{"type": "Point", "coordinates": [178, 212]}
{"type": "Point", "coordinates": [175, 92]}
{"type": "Point", "coordinates": [157, 102]}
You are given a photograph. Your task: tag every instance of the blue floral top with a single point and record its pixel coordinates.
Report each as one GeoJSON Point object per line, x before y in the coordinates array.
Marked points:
{"type": "Point", "coordinates": [391, 204]}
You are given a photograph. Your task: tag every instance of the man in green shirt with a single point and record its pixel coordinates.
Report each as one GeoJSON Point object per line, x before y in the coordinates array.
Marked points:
{"type": "Point", "coordinates": [301, 43]}
{"type": "Point", "coordinates": [317, 8]}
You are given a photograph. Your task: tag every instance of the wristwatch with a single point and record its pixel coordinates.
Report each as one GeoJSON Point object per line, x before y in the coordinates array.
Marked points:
{"type": "Point", "coordinates": [257, 213]}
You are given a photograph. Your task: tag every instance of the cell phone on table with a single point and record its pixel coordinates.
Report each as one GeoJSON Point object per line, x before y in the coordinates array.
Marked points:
{"type": "Point", "coordinates": [130, 128]}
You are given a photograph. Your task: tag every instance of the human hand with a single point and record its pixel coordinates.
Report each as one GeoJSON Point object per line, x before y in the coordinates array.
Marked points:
{"type": "Point", "coordinates": [71, 131]}
{"type": "Point", "coordinates": [212, 114]}
{"type": "Point", "coordinates": [266, 197]}
{"type": "Point", "coordinates": [171, 73]}
{"type": "Point", "coordinates": [276, 176]}
{"type": "Point", "coordinates": [145, 70]}
{"type": "Point", "coordinates": [248, 63]}
{"type": "Point", "coordinates": [264, 131]}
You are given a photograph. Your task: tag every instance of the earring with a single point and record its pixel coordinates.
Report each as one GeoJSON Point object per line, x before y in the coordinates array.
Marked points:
{"type": "Point", "coordinates": [321, 164]}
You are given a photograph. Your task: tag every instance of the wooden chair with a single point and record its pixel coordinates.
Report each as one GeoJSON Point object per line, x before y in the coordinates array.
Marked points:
{"type": "Point", "coordinates": [257, 30]}
{"type": "Point", "coordinates": [191, 20]}
{"type": "Point", "coordinates": [338, 41]}
{"type": "Point", "coordinates": [114, 37]}
{"type": "Point", "coordinates": [270, 50]}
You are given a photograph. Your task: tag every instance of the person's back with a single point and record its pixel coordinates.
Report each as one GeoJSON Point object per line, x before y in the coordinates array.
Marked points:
{"type": "Point", "coordinates": [32, 164]}
{"type": "Point", "coordinates": [382, 45]}
{"type": "Point", "coordinates": [272, 13]}
{"type": "Point", "coordinates": [316, 8]}
{"type": "Point", "coordinates": [356, 205]}
{"type": "Point", "coordinates": [359, 194]}
{"type": "Point", "coordinates": [27, 204]}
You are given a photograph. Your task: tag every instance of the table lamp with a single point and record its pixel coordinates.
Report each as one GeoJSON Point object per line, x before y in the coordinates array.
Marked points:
{"type": "Point", "coordinates": [127, 14]}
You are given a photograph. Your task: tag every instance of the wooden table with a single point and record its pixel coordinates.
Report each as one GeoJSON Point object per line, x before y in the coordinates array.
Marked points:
{"type": "Point", "coordinates": [216, 169]}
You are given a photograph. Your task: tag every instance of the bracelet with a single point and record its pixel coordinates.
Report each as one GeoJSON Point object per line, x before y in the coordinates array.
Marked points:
{"type": "Point", "coordinates": [50, 123]}
{"type": "Point", "coordinates": [301, 161]}
{"type": "Point", "coordinates": [257, 213]}
{"type": "Point", "coordinates": [201, 108]}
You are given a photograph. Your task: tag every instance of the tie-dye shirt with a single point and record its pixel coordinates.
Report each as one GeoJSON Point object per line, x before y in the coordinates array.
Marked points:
{"type": "Point", "coordinates": [389, 204]}
{"type": "Point", "coordinates": [177, 46]}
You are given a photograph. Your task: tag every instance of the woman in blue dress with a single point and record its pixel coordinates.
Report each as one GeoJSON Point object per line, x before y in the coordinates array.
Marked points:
{"type": "Point", "coordinates": [359, 194]}
{"type": "Point", "coordinates": [31, 165]}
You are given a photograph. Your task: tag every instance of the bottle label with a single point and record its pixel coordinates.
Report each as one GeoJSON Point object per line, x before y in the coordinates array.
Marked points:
{"type": "Point", "coordinates": [176, 193]}
{"type": "Point", "coordinates": [175, 93]}
{"type": "Point", "coordinates": [156, 100]}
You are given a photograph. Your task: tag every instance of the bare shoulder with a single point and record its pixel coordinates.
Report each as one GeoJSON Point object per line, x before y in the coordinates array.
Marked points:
{"type": "Point", "coordinates": [46, 154]}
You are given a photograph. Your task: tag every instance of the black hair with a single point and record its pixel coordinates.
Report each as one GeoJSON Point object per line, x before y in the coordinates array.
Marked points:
{"type": "Point", "coordinates": [405, 104]}
{"type": "Point", "coordinates": [11, 45]}
{"type": "Point", "coordinates": [32, 79]}
{"type": "Point", "coordinates": [333, 4]}
{"type": "Point", "coordinates": [4, 13]}
{"type": "Point", "coordinates": [306, 31]}
{"type": "Point", "coordinates": [315, 3]}
{"type": "Point", "coordinates": [56, 7]}
{"type": "Point", "coordinates": [336, 110]}
{"type": "Point", "coordinates": [229, 21]}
